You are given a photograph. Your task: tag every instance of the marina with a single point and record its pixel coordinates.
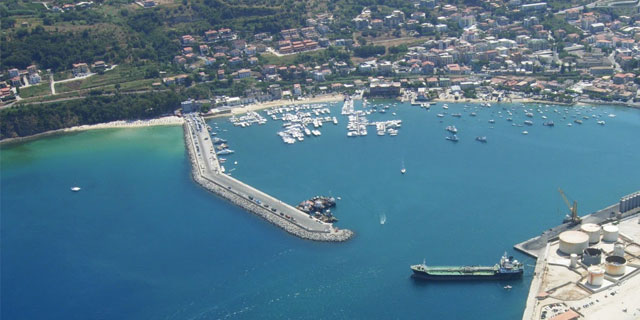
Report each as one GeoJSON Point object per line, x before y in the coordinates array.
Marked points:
{"type": "Point", "coordinates": [165, 219]}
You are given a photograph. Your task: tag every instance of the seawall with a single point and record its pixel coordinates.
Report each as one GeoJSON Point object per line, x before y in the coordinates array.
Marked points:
{"type": "Point", "coordinates": [333, 235]}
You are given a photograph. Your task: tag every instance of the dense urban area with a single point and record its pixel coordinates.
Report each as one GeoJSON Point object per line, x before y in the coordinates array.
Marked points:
{"type": "Point", "coordinates": [68, 60]}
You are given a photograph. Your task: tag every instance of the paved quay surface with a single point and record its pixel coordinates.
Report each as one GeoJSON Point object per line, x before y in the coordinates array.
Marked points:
{"type": "Point", "coordinates": [557, 289]}
{"type": "Point", "coordinates": [207, 171]}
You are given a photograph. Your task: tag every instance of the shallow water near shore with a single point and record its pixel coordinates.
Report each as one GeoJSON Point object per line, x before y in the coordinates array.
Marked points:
{"type": "Point", "coordinates": [143, 241]}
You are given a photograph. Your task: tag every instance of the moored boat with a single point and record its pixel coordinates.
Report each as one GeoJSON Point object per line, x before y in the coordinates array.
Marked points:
{"type": "Point", "coordinates": [508, 268]}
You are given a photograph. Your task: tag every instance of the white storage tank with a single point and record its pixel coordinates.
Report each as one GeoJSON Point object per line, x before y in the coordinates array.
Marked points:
{"type": "Point", "coordinates": [610, 233]}
{"type": "Point", "coordinates": [574, 261]}
{"type": "Point", "coordinates": [573, 242]}
{"type": "Point", "coordinates": [593, 231]}
{"type": "Point", "coordinates": [615, 266]}
{"type": "Point", "coordinates": [618, 250]}
{"type": "Point", "coordinates": [596, 276]}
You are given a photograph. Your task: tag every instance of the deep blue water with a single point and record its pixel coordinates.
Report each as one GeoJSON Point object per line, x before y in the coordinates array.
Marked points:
{"type": "Point", "coordinates": [142, 241]}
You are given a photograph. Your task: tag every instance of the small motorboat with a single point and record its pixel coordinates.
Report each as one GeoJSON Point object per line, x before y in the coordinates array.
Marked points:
{"type": "Point", "coordinates": [76, 189]}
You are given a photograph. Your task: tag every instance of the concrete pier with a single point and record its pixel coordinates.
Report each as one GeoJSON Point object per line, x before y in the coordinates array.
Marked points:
{"type": "Point", "coordinates": [207, 171]}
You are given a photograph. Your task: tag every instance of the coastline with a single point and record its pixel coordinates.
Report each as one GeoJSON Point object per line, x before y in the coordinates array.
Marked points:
{"type": "Point", "coordinates": [162, 121]}
{"type": "Point", "coordinates": [328, 98]}
{"type": "Point", "coordinates": [275, 103]}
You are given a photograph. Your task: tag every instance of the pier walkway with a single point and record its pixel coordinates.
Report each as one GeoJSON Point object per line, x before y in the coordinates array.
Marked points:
{"type": "Point", "coordinates": [208, 172]}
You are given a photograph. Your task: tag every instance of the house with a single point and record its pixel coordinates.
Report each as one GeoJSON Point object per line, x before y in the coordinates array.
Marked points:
{"type": "Point", "coordinates": [318, 76]}
{"type": "Point", "coordinates": [99, 65]}
{"type": "Point", "coordinates": [32, 69]}
{"type": "Point", "coordinates": [187, 40]}
{"type": "Point", "coordinates": [244, 73]}
{"type": "Point", "coordinates": [377, 24]}
{"type": "Point", "coordinates": [239, 44]}
{"type": "Point", "coordinates": [210, 61]}
{"type": "Point", "coordinates": [15, 81]}
{"type": "Point", "coordinates": [297, 90]}
{"type": "Point", "coordinates": [211, 35]}
{"type": "Point", "coordinates": [250, 50]}
{"type": "Point", "coordinates": [149, 4]}
{"type": "Point", "coordinates": [204, 49]}
{"type": "Point", "coordinates": [275, 91]}
{"type": "Point", "coordinates": [34, 78]}
{"type": "Point", "coordinates": [453, 68]}
{"type": "Point", "coordinates": [5, 93]}
{"type": "Point", "coordinates": [179, 60]}
{"type": "Point", "coordinates": [80, 69]}
{"type": "Point", "coordinates": [14, 73]}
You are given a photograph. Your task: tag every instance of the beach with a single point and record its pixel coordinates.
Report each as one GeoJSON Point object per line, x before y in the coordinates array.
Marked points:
{"type": "Point", "coordinates": [163, 121]}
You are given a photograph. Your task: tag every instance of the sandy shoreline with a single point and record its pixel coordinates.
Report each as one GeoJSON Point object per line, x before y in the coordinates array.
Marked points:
{"type": "Point", "coordinates": [163, 121]}
{"type": "Point", "coordinates": [175, 120]}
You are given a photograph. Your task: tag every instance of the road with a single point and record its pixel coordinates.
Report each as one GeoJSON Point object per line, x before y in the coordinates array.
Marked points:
{"type": "Point", "coordinates": [612, 59]}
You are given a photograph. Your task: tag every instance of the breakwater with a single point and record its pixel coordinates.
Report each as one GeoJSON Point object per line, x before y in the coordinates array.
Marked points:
{"type": "Point", "coordinates": [274, 211]}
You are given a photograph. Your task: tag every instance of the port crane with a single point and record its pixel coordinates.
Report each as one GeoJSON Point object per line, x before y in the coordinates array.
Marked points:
{"type": "Point", "coordinates": [573, 208]}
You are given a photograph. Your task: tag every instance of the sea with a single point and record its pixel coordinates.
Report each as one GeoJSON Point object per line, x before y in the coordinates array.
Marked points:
{"type": "Point", "coordinates": [141, 240]}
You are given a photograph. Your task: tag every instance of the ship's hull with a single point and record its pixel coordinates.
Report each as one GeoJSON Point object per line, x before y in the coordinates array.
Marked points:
{"type": "Point", "coordinates": [449, 277]}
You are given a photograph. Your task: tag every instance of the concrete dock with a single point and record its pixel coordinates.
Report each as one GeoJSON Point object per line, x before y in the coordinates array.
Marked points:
{"type": "Point", "coordinates": [207, 171]}
{"type": "Point", "coordinates": [561, 290]}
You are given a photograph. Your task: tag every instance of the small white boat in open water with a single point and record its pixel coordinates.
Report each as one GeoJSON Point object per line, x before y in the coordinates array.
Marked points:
{"type": "Point", "coordinates": [76, 189]}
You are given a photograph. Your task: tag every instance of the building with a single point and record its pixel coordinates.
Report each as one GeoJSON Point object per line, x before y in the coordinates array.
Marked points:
{"type": "Point", "coordinates": [244, 73]}
{"type": "Point", "coordinates": [34, 78]}
{"type": "Point", "coordinates": [99, 65]}
{"type": "Point", "coordinates": [14, 73]}
{"type": "Point", "coordinates": [297, 89]}
{"type": "Point", "coordinates": [384, 89]}
{"type": "Point", "coordinates": [80, 69]}
{"type": "Point", "coordinates": [539, 6]}
{"type": "Point", "coordinates": [189, 106]}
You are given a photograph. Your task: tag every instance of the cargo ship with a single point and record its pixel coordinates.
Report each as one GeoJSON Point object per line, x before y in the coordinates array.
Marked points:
{"type": "Point", "coordinates": [508, 268]}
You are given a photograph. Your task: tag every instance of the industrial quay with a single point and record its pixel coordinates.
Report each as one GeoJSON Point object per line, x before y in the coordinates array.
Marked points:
{"type": "Point", "coordinates": [588, 267]}
{"type": "Point", "coordinates": [207, 171]}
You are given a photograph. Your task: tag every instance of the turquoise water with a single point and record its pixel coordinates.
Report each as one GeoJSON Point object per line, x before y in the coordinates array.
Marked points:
{"type": "Point", "coordinates": [142, 241]}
